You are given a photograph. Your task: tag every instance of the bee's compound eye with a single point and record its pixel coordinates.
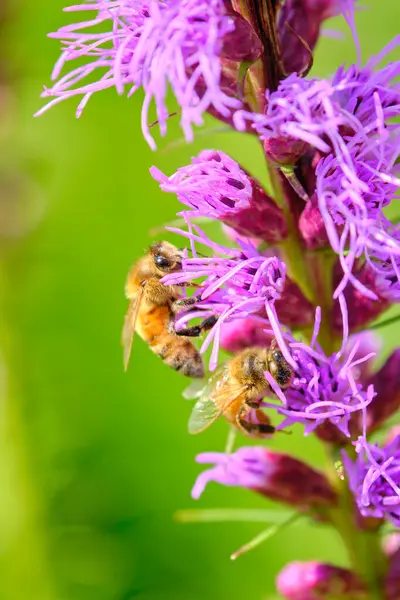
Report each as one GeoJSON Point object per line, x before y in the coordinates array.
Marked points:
{"type": "Point", "coordinates": [161, 261]}
{"type": "Point", "coordinates": [277, 355]}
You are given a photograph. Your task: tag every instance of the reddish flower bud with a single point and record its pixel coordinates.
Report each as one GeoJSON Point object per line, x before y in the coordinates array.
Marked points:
{"type": "Point", "coordinates": [312, 227]}
{"type": "Point", "coordinates": [284, 150]}
{"type": "Point", "coordinates": [361, 309]}
{"type": "Point", "coordinates": [293, 309]}
{"type": "Point", "coordinates": [241, 44]}
{"type": "Point", "coordinates": [244, 333]}
{"type": "Point", "coordinates": [299, 26]}
{"type": "Point", "coordinates": [276, 476]}
{"type": "Point", "coordinates": [317, 581]}
{"type": "Point", "coordinates": [386, 383]}
{"type": "Point", "coordinates": [392, 580]}
{"type": "Point", "coordinates": [391, 543]}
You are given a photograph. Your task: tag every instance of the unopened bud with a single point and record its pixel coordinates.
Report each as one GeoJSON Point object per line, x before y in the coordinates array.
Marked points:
{"type": "Point", "coordinates": [312, 227]}
{"type": "Point", "coordinates": [276, 476]}
{"type": "Point", "coordinates": [386, 383]}
{"type": "Point", "coordinates": [242, 44]}
{"type": "Point", "coordinates": [299, 26]}
{"type": "Point", "coordinates": [317, 581]}
{"type": "Point", "coordinates": [361, 309]}
{"type": "Point", "coordinates": [392, 579]}
{"type": "Point", "coordinates": [293, 309]}
{"type": "Point", "coordinates": [284, 150]}
{"type": "Point", "coordinates": [244, 333]}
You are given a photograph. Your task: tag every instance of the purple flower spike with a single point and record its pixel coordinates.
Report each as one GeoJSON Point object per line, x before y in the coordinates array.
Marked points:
{"type": "Point", "coordinates": [374, 479]}
{"type": "Point", "coordinates": [153, 45]}
{"type": "Point", "coordinates": [237, 283]}
{"type": "Point", "coordinates": [318, 581]}
{"type": "Point", "coordinates": [215, 186]}
{"type": "Point", "coordinates": [355, 223]}
{"type": "Point", "coordinates": [325, 392]}
{"type": "Point", "coordinates": [271, 474]}
{"type": "Point", "coordinates": [299, 27]}
{"type": "Point", "coordinates": [349, 124]}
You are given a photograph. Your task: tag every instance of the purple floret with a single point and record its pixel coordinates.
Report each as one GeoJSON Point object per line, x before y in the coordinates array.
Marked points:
{"type": "Point", "coordinates": [152, 45]}
{"type": "Point", "coordinates": [215, 186]}
{"type": "Point", "coordinates": [272, 474]}
{"type": "Point", "coordinates": [349, 125]}
{"type": "Point", "coordinates": [325, 390]}
{"type": "Point", "coordinates": [236, 282]}
{"type": "Point", "coordinates": [374, 478]}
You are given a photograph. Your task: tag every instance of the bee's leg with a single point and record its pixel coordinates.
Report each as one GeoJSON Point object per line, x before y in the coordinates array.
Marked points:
{"type": "Point", "coordinates": [196, 330]}
{"type": "Point", "coordinates": [178, 305]}
{"type": "Point", "coordinates": [256, 429]}
{"type": "Point", "coordinates": [253, 403]}
{"type": "Point", "coordinates": [189, 284]}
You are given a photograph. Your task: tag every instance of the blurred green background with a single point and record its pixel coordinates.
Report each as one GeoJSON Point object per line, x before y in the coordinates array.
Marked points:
{"type": "Point", "coordinates": [94, 462]}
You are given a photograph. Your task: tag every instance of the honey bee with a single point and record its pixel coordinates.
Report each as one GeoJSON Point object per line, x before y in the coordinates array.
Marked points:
{"type": "Point", "coordinates": [152, 310]}
{"type": "Point", "coordinates": [235, 391]}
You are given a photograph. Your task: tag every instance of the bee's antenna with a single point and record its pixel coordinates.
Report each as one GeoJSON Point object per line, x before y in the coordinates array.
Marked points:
{"type": "Point", "coordinates": [199, 253]}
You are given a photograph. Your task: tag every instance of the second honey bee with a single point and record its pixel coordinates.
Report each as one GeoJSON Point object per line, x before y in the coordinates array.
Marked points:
{"type": "Point", "coordinates": [152, 310]}
{"type": "Point", "coordinates": [235, 391]}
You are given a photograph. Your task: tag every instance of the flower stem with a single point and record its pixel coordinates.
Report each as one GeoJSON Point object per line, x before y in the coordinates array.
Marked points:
{"type": "Point", "coordinates": [363, 545]}
{"type": "Point", "coordinates": [311, 272]}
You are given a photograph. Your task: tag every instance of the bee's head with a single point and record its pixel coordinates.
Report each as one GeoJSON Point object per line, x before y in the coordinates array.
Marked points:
{"type": "Point", "coordinates": [167, 258]}
{"type": "Point", "coordinates": [279, 368]}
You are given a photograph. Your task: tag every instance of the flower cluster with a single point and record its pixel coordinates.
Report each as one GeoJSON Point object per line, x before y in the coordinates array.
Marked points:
{"type": "Point", "coordinates": [309, 261]}
{"type": "Point", "coordinates": [153, 44]}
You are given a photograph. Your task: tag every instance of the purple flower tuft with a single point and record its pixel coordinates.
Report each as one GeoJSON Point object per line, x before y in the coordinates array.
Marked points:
{"type": "Point", "coordinates": [349, 122]}
{"type": "Point", "coordinates": [274, 475]}
{"type": "Point", "coordinates": [237, 282]}
{"type": "Point", "coordinates": [215, 186]}
{"type": "Point", "coordinates": [325, 390]}
{"type": "Point", "coordinates": [374, 478]}
{"type": "Point", "coordinates": [153, 45]}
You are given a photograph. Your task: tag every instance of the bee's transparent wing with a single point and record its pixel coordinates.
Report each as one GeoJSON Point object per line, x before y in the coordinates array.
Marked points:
{"type": "Point", "coordinates": [129, 327]}
{"type": "Point", "coordinates": [212, 403]}
{"type": "Point", "coordinates": [195, 389]}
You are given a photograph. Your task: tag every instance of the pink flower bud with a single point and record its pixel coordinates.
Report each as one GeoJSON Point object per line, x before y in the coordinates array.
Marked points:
{"type": "Point", "coordinates": [312, 227]}
{"type": "Point", "coordinates": [361, 309]}
{"type": "Point", "coordinates": [392, 581]}
{"type": "Point", "coordinates": [241, 44]}
{"type": "Point", "coordinates": [284, 150]}
{"type": "Point", "coordinates": [299, 27]}
{"type": "Point", "coordinates": [317, 581]}
{"type": "Point", "coordinates": [391, 543]}
{"type": "Point", "coordinates": [386, 383]}
{"type": "Point", "coordinates": [276, 476]}
{"type": "Point", "coordinates": [293, 309]}
{"type": "Point", "coordinates": [244, 333]}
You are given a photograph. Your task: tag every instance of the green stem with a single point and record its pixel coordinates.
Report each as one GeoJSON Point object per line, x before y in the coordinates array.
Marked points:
{"type": "Point", "coordinates": [363, 545]}
{"type": "Point", "coordinates": [311, 272]}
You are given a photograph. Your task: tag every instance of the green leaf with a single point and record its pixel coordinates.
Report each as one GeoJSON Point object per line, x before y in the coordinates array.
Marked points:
{"type": "Point", "coordinates": [385, 322]}
{"type": "Point", "coordinates": [218, 515]}
{"type": "Point", "coordinates": [265, 535]}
